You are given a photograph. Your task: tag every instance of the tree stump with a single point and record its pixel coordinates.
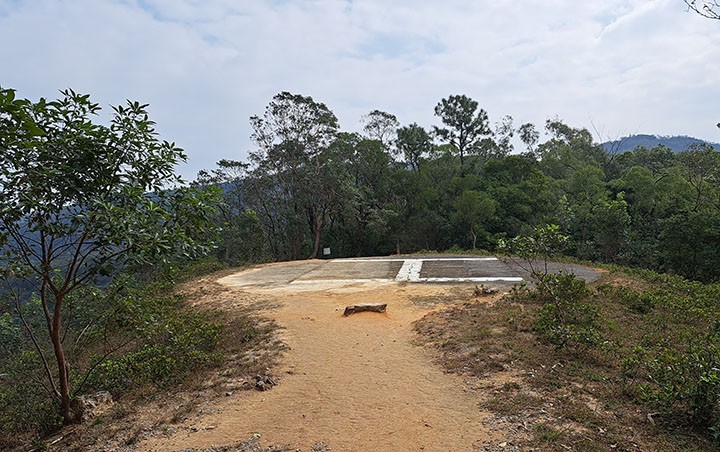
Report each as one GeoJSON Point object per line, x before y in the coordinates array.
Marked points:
{"type": "Point", "coordinates": [365, 307]}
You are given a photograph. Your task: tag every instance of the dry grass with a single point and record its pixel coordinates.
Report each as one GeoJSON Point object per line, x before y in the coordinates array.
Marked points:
{"type": "Point", "coordinates": [551, 399]}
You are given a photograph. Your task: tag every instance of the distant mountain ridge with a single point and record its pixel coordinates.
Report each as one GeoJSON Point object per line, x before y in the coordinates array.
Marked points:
{"type": "Point", "coordinates": [677, 143]}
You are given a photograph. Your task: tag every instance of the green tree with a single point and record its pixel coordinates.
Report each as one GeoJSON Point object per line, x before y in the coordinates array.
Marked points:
{"type": "Point", "coordinates": [534, 252]}
{"type": "Point", "coordinates": [79, 201]}
{"type": "Point", "coordinates": [523, 194]}
{"type": "Point", "coordinates": [381, 126]}
{"type": "Point", "coordinates": [414, 144]}
{"type": "Point", "coordinates": [504, 133]}
{"type": "Point", "coordinates": [529, 136]}
{"type": "Point", "coordinates": [466, 128]}
{"type": "Point", "coordinates": [611, 223]}
{"type": "Point", "coordinates": [360, 226]}
{"type": "Point", "coordinates": [300, 167]}
{"type": "Point", "coordinates": [472, 209]}
{"type": "Point", "coordinates": [242, 237]}
{"type": "Point", "coordinates": [703, 173]}
{"type": "Point", "coordinates": [568, 149]}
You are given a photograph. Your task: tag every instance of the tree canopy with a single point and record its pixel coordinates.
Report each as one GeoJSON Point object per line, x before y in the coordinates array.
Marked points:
{"type": "Point", "coordinates": [399, 188]}
{"type": "Point", "coordinates": [79, 201]}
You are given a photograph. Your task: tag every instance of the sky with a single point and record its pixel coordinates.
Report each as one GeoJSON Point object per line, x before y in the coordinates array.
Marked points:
{"type": "Point", "coordinates": [616, 67]}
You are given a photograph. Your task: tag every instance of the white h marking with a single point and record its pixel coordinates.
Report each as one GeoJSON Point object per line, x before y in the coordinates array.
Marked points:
{"type": "Point", "coordinates": [410, 270]}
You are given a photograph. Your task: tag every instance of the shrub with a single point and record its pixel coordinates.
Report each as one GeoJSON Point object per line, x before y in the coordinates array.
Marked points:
{"type": "Point", "coordinates": [126, 335]}
{"type": "Point", "coordinates": [175, 343]}
{"type": "Point", "coordinates": [687, 381]}
{"type": "Point", "coordinates": [25, 406]}
{"type": "Point", "coordinates": [568, 318]}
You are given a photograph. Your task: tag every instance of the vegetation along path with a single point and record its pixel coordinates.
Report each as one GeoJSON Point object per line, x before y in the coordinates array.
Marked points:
{"type": "Point", "coordinates": [358, 382]}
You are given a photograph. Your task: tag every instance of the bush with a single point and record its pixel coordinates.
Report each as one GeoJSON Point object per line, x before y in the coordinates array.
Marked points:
{"type": "Point", "coordinates": [122, 336]}
{"type": "Point", "coordinates": [674, 366]}
{"type": "Point", "coordinates": [26, 409]}
{"type": "Point", "coordinates": [686, 381]}
{"type": "Point", "coordinates": [568, 318]}
{"type": "Point", "coordinates": [637, 302]}
{"type": "Point", "coordinates": [174, 342]}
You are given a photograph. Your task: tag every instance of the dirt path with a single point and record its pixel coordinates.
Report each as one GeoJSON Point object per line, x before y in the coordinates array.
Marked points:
{"type": "Point", "coordinates": [354, 383]}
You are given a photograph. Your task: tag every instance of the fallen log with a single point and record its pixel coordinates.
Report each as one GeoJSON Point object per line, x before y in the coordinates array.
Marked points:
{"type": "Point", "coordinates": [365, 307]}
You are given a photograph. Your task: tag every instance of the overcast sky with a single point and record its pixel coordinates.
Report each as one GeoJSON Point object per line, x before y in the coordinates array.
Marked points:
{"type": "Point", "coordinates": [205, 66]}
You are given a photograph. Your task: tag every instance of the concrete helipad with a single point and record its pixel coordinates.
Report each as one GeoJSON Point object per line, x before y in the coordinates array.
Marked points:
{"type": "Point", "coordinates": [395, 269]}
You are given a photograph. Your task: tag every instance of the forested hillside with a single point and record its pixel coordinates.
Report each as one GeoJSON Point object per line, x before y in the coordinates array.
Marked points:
{"type": "Point", "coordinates": [397, 188]}
{"type": "Point", "coordinates": [675, 143]}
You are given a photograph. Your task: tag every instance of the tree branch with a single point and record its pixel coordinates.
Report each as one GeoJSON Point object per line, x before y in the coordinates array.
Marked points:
{"type": "Point", "coordinates": [708, 9]}
{"type": "Point", "coordinates": [33, 339]}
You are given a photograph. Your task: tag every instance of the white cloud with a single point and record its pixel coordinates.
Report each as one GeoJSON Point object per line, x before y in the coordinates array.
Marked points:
{"type": "Point", "coordinates": [206, 66]}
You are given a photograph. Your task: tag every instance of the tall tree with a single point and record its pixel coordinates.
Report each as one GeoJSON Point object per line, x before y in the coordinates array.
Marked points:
{"type": "Point", "coordinates": [294, 137]}
{"type": "Point", "coordinates": [466, 128]}
{"type": "Point", "coordinates": [529, 136]}
{"type": "Point", "coordinates": [413, 144]}
{"type": "Point", "coordinates": [504, 132]}
{"type": "Point", "coordinates": [242, 238]}
{"type": "Point", "coordinates": [381, 126]}
{"type": "Point", "coordinates": [472, 210]}
{"type": "Point", "coordinates": [75, 206]}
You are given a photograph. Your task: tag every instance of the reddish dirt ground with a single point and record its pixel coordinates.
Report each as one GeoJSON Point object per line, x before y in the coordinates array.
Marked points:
{"type": "Point", "coordinates": [354, 383]}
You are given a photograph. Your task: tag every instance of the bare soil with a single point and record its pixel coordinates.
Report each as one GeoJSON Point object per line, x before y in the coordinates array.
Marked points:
{"type": "Point", "coordinates": [353, 383]}
{"type": "Point", "coordinates": [358, 383]}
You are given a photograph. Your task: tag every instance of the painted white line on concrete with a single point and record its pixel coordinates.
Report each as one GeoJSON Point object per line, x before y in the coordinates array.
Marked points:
{"type": "Point", "coordinates": [311, 282]}
{"type": "Point", "coordinates": [346, 261]}
{"type": "Point", "coordinates": [440, 259]}
{"type": "Point", "coordinates": [477, 279]}
{"type": "Point", "coordinates": [433, 259]}
{"type": "Point", "coordinates": [410, 270]}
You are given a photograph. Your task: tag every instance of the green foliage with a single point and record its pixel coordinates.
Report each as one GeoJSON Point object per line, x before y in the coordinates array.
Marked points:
{"type": "Point", "coordinates": [467, 129]}
{"type": "Point", "coordinates": [80, 201]}
{"type": "Point", "coordinates": [568, 317]}
{"type": "Point", "coordinates": [25, 408]}
{"type": "Point", "coordinates": [472, 211]}
{"type": "Point", "coordinates": [174, 345]}
{"type": "Point", "coordinates": [311, 183]}
{"type": "Point", "coordinates": [10, 335]}
{"type": "Point", "coordinates": [123, 336]}
{"type": "Point", "coordinates": [299, 173]}
{"type": "Point", "coordinates": [637, 302]}
{"type": "Point", "coordinates": [242, 238]}
{"type": "Point", "coordinates": [414, 144]}
{"type": "Point", "coordinates": [535, 250]}
{"type": "Point", "coordinates": [674, 363]}
{"type": "Point", "coordinates": [686, 379]}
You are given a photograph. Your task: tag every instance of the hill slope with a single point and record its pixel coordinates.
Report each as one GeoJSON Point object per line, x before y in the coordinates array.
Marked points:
{"type": "Point", "coordinates": [677, 143]}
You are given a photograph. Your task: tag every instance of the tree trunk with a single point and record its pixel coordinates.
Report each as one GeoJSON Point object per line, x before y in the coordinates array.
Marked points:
{"type": "Point", "coordinates": [317, 226]}
{"type": "Point", "coordinates": [63, 368]}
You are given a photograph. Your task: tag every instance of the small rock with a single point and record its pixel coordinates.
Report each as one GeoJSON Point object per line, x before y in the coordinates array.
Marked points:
{"type": "Point", "coordinates": [89, 406]}
{"type": "Point", "coordinates": [264, 382]}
